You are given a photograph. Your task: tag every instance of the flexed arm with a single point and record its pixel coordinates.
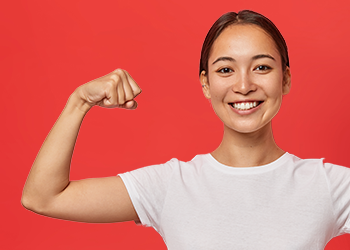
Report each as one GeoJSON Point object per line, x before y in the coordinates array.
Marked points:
{"type": "Point", "coordinates": [48, 190]}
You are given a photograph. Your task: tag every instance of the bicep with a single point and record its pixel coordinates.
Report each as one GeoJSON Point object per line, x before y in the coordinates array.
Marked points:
{"type": "Point", "coordinates": [97, 200]}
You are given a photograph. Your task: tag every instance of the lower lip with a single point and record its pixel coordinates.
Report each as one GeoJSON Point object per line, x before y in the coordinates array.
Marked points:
{"type": "Point", "coordinates": [246, 112]}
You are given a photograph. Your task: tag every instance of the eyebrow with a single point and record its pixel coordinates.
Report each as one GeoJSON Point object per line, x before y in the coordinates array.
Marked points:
{"type": "Point", "coordinates": [263, 56]}
{"type": "Point", "coordinates": [224, 58]}
{"type": "Point", "coordinates": [227, 58]}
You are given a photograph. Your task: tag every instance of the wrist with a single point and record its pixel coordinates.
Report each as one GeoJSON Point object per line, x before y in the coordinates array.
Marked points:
{"type": "Point", "coordinates": [77, 101]}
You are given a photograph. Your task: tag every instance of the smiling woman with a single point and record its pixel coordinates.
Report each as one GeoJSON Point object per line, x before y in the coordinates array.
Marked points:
{"type": "Point", "coordinates": [245, 79]}
{"type": "Point", "coordinates": [246, 194]}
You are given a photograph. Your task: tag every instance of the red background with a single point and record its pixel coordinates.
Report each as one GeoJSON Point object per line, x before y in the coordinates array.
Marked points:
{"type": "Point", "coordinates": [49, 48]}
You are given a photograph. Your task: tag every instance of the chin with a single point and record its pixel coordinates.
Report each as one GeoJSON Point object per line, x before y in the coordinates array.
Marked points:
{"type": "Point", "coordinates": [247, 129]}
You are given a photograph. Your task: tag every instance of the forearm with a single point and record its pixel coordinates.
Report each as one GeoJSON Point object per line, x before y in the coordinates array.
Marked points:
{"type": "Point", "coordinates": [50, 171]}
{"type": "Point", "coordinates": [48, 190]}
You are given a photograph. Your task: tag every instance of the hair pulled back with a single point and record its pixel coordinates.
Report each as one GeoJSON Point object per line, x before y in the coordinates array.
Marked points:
{"type": "Point", "coordinates": [242, 17]}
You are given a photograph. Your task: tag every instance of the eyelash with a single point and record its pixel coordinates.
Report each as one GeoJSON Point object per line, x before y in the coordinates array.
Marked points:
{"type": "Point", "coordinates": [262, 68]}
{"type": "Point", "coordinates": [259, 68]}
{"type": "Point", "coordinates": [222, 70]}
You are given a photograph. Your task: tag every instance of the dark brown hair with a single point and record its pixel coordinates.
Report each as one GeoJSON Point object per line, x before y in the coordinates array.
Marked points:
{"type": "Point", "coordinates": [243, 17]}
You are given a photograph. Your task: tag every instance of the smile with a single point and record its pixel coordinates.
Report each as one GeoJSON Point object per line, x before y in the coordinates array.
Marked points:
{"type": "Point", "coordinates": [245, 105]}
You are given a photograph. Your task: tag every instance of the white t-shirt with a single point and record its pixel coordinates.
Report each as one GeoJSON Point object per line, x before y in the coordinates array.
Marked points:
{"type": "Point", "coordinates": [290, 203]}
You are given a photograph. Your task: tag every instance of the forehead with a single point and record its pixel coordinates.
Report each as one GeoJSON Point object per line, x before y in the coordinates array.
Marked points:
{"type": "Point", "coordinates": [243, 40]}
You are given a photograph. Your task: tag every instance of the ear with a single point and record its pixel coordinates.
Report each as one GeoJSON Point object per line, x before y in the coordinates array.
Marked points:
{"type": "Point", "coordinates": [287, 84]}
{"type": "Point", "coordinates": [205, 84]}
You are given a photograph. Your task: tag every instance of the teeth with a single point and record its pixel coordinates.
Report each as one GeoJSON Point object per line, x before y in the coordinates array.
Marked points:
{"type": "Point", "coordinates": [245, 105]}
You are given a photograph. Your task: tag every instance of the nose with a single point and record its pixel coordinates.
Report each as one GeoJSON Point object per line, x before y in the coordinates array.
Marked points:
{"type": "Point", "coordinates": [243, 84]}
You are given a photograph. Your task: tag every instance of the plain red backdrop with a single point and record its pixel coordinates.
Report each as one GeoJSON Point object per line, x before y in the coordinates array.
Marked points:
{"type": "Point", "coordinates": [49, 48]}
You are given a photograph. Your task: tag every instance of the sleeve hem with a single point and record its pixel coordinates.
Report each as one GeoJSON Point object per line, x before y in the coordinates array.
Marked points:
{"type": "Point", "coordinates": [134, 197]}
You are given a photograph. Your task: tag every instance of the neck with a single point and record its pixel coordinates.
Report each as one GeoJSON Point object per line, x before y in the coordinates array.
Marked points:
{"type": "Point", "coordinates": [247, 149]}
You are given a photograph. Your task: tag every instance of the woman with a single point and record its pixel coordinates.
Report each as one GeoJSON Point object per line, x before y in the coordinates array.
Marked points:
{"type": "Point", "coordinates": [246, 194]}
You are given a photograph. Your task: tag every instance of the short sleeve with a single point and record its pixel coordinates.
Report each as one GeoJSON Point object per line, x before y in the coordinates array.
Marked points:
{"type": "Point", "coordinates": [339, 184]}
{"type": "Point", "coordinates": [147, 188]}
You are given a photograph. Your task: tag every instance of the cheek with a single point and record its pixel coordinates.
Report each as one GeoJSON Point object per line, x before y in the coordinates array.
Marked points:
{"type": "Point", "coordinates": [219, 87]}
{"type": "Point", "coordinates": [273, 86]}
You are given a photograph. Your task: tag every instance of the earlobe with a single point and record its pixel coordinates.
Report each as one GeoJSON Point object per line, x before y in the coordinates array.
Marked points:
{"type": "Point", "coordinates": [287, 84]}
{"type": "Point", "coordinates": [205, 84]}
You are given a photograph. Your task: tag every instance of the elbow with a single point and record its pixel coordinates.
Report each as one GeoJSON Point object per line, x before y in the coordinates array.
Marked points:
{"type": "Point", "coordinates": [32, 205]}
{"type": "Point", "coordinates": [27, 203]}
{"type": "Point", "coordinates": [32, 200]}
{"type": "Point", "coordinates": [23, 201]}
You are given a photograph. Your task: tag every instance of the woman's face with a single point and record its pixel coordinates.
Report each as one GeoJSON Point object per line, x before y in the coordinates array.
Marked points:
{"type": "Point", "coordinates": [245, 81]}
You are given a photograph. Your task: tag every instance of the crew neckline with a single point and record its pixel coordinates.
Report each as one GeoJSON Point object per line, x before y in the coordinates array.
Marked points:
{"type": "Point", "coordinates": [248, 170]}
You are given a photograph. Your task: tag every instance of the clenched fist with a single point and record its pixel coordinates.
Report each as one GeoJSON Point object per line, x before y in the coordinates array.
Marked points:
{"type": "Point", "coordinates": [116, 89]}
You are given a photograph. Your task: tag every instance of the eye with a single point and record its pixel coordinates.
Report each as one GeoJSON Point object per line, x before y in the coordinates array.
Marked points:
{"type": "Point", "coordinates": [263, 68]}
{"type": "Point", "coordinates": [225, 70]}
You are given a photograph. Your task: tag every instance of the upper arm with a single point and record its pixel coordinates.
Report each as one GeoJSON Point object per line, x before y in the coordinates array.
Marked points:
{"type": "Point", "coordinates": [97, 200]}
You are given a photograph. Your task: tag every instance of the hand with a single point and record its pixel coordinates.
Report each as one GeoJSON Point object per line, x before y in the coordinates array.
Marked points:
{"type": "Point", "coordinates": [116, 89]}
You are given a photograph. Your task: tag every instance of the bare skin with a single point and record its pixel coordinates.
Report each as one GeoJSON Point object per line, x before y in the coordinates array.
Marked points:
{"type": "Point", "coordinates": [48, 190]}
{"type": "Point", "coordinates": [258, 150]}
{"type": "Point", "coordinates": [252, 71]}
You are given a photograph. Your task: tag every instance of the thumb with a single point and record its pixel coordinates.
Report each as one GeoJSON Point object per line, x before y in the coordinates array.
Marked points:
{"type": "Point", "coordinates": [132, 104]}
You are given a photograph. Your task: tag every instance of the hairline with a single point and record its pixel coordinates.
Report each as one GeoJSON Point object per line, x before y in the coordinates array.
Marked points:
{"type": "Point", "coordinates": [244, 17]}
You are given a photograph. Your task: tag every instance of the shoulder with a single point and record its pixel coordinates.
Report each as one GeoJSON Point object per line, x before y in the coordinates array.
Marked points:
{"type": "Point", "coordinates": [316, 162]}
{"type": "Point", "coordinates": [167, 169]}
{"type": "Point", "coordinates": [332, 172]}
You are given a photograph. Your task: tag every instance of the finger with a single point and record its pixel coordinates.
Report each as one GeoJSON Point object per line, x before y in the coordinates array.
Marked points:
{"type": "Point", "coordinates": [135, 88]}
{"type": "Point", "coordinates": [120, 89]}
{"type": "Point", "coordinates": [129, 94]}
{"type": "Point", "coordinates": [129, 105]}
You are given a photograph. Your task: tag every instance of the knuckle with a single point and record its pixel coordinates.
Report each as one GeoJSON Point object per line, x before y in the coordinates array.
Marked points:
{"type": "Point", "coordinates": [118, 71]}
{"type": "Point", "coordinates": [118, 75]}
{"type": "Point", "coordinates": [115, 77]}
{"type": "Point", "coordinates": [138, 91]}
